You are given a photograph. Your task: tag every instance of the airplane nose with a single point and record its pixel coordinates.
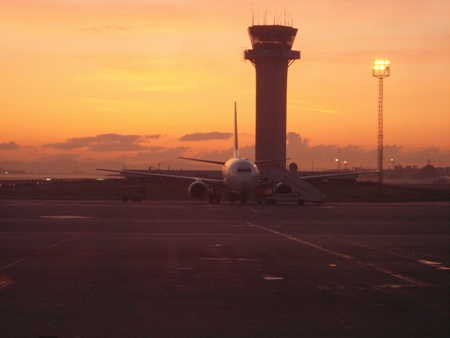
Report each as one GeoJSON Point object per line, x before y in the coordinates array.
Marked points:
{"type": "Point", "coordinates": [245, 184]}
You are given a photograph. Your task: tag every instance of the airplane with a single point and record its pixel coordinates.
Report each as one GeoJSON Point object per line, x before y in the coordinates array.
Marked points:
{"type": "Point", "coordinates": [240, 176]}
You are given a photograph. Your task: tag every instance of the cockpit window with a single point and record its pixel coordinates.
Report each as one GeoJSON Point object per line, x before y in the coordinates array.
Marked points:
{"type": "Point", "coordinates": [244, 170]}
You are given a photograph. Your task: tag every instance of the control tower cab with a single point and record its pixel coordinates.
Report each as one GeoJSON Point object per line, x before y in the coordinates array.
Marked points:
{"type": "Point", "coordinates": [271, 55]}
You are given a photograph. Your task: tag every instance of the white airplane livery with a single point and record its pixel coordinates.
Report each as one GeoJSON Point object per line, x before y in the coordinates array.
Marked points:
{"type": "Point", "coordinates": [239, 175]}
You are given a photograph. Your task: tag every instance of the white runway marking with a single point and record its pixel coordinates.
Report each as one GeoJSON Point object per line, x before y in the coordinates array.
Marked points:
{"type": "Point", "coordinates": [272, 278]}
{"type": "Point", "coordinates": [436, 265]}
{"type": "Point", "coordinates": [350, 258]}
{"type": "Point", "coordinates": [254, 210]}
{"type": "Point", "coordinates": [37, 252]}
{"type": "Point", "coordinates": [4, 282]}
{"type": "Point", "coordinates": [228, 259]}
{"type": "Point", "coordinates": [65, 217]}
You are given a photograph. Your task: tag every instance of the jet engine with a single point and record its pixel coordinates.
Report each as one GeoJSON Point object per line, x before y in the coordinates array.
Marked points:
{"type": "Point", "coordinates": [283, 188]}
{"type": "Point", "coordinates": [198, 190]}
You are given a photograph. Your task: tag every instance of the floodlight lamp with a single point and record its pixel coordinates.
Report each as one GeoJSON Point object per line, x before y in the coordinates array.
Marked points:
{"type": "Point", "coordinates": [381, 68]}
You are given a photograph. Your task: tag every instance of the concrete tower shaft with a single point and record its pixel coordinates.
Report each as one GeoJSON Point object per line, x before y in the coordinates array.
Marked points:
{"type": "Point", "coordinates": [271, 55]}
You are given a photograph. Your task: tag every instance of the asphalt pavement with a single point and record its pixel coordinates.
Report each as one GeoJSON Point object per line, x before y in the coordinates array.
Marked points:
{"type": "Point", "coordinates": [187, 269]}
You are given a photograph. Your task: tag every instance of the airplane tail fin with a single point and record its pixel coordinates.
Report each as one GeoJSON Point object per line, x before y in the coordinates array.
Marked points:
{"type": "Point", "coordinates": [236, 148]}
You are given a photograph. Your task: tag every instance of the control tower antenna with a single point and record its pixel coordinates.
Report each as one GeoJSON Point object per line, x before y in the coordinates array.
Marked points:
{"type": "Point", "coordinates": [271, 55]}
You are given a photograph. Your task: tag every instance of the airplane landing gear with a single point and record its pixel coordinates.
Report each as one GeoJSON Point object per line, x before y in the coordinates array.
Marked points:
{"type": "Point", "coordinates": [233, 196]}
{"type": "Point", "coordinates": [214, 196]}
{"type": "Point", "coordinates": [244, 198]}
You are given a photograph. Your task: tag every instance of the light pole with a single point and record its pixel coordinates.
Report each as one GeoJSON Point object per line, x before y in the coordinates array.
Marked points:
{"type": "Point", "coordinates": [380, 70]}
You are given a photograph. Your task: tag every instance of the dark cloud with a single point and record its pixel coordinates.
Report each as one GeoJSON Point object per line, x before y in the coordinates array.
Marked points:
{"type": "Point", "coordinates": [9, 146]}
{"type": "Point", "coordinates": [322, 157]}
{"type": "Point", "coordinates": [215, 135]}
{"type": "Point", "coordinates": [105, 142]}
{"type": "Point", "coordinates": [57, 157]}
{"type": "Point", "coordinates": [136, 151]}
{"type": "Point", "coordinates": [151, 137]}
{"type": "Point", "coordinates": [116, 146]}
{"type": "Point", "coordinates": [419, 157]}
{"type": "Point", "coordinates": [295, 141]}
{"type": "Point", "coordinates": [153, 155]}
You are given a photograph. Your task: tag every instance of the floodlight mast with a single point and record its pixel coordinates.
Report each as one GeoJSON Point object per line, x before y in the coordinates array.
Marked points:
{"type": "Point", "coordinates": [380, 70]}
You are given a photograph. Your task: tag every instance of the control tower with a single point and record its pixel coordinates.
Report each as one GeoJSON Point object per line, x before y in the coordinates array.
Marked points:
{"type": "Point", "coordinates": [271, 55]}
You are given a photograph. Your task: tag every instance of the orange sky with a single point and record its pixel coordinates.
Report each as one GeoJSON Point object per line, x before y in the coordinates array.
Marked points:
{"type": "Point", "coordinates": [73, 70]}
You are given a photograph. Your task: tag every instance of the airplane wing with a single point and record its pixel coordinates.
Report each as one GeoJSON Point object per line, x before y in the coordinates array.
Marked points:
{"type": "Point", "coordinates": [199, 160]}
{"type": "Point", "coordinates": [214, 181]}
{"type": "Point", "coordinates": [271, 160]}
{"type": "Point", "coordinates": [347, 173]}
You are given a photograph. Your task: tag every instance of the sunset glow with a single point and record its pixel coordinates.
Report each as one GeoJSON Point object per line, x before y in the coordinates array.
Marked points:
{"type": "Point", "coordinates": [127, 81]}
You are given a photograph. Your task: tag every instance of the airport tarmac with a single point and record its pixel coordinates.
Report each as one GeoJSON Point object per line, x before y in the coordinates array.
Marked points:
{"type": "Point", "coordinates": [186, 269]}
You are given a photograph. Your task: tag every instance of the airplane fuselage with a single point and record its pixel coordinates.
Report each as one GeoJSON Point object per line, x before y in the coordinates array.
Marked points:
{"type": "Point", "coordinates": [240, 175]}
